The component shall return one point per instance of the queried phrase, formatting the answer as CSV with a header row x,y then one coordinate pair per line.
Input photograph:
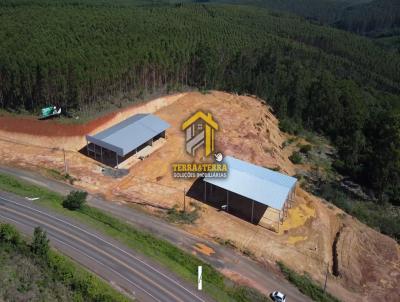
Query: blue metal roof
x,y
256,183
129,134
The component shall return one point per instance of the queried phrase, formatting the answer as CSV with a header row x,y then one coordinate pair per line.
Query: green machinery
x,y
49,112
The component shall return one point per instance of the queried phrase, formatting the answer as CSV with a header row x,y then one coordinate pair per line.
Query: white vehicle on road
x,y
278,297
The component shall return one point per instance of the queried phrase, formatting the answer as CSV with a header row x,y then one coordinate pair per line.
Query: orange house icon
x,y
200,128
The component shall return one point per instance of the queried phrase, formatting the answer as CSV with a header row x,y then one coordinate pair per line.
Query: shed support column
x,y
87,147
227,201
283,211
116,156
287,208
279,220
101,154
252,210
205,191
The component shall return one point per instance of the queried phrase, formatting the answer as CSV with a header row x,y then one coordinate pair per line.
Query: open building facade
x,y
125,139
254,193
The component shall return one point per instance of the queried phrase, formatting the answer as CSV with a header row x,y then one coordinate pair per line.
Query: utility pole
x,y
65,163
326,276
184,200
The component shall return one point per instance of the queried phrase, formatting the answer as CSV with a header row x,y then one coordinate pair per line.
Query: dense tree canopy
x,y
367,17
373,18
77,53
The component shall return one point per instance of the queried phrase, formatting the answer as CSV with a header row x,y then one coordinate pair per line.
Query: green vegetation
x,y
53,173
11,184
180,216
79,54
306,285
305,149
389,41
324,181
40,244
180,262
289,126
226,242
35,273
385,218
373,18
296,158
9,234
75,200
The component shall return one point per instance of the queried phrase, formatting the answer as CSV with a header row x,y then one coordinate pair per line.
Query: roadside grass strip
x,y
306,285
27,276
171,257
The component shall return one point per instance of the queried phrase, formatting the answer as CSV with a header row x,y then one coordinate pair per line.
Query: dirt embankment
x,y
363,263
52,134
369,261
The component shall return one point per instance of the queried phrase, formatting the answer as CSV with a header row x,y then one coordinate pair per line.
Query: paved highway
x,y
110,260
224,258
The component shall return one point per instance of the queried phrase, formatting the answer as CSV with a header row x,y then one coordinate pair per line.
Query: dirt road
x,y
122,267
224,259
368,260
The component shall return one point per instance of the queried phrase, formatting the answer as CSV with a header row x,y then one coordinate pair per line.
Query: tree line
x,y
371,18
76,54
45,274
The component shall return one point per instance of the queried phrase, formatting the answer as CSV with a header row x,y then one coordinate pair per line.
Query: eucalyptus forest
x,y
76,53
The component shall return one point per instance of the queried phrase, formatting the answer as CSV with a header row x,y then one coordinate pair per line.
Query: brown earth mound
x,y
53,134
33,126
366,262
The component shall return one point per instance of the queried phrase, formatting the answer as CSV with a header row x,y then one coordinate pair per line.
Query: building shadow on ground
x,y
216,197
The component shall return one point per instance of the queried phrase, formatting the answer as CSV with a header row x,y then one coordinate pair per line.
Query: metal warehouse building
x,y
117,143
249,191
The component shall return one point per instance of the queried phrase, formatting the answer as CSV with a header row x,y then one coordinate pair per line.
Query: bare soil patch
x,y
368,261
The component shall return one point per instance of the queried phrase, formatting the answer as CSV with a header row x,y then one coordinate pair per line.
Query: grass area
x,y
176,260
97,109
391,42
21,279
306,285
53,173
385,218
296,158
323,181
176,215
25,276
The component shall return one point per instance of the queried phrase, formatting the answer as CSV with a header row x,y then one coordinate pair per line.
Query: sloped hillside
x,y
363,264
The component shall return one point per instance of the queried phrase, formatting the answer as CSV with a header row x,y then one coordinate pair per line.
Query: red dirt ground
x,y
51,128
34,126
368,261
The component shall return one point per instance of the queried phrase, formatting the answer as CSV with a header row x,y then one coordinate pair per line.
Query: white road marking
x,y
95,260
200,277
114,246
